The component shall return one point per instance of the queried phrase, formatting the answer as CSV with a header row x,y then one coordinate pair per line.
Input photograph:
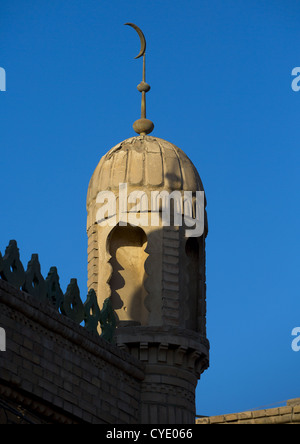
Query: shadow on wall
x,y
127,248
137,290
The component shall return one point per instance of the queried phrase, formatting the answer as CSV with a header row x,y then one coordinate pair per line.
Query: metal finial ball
x,y
143,87
143,126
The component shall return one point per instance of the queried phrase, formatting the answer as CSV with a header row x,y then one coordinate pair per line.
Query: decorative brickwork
x,y
56,371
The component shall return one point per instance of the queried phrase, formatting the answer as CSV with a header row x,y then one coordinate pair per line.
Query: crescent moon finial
x,y
142,126
142,38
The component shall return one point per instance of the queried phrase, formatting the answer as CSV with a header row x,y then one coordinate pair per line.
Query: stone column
x,y
174,360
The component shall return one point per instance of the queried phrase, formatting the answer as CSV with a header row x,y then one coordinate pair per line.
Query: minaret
x,y
144,261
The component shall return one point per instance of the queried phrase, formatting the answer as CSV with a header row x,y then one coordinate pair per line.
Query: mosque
x,y
134,351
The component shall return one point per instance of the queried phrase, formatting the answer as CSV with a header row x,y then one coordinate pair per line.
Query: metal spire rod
x,y
142,126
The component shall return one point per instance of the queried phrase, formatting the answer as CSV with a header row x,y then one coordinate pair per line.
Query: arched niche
x,y
126,245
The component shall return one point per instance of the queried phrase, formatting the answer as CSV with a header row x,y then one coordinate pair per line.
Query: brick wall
x,y
289,414
57,371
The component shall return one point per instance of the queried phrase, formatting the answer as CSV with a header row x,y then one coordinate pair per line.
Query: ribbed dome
x,y
144,162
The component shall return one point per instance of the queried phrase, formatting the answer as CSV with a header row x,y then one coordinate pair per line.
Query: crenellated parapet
x,y
48,290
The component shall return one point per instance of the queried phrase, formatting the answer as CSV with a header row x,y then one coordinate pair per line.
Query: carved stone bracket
x,y
162,352
179,355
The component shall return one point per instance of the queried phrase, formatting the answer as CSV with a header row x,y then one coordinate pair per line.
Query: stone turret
x,y
142,200
154,275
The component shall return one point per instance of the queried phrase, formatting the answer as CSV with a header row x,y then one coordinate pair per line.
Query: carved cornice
x,y
169,346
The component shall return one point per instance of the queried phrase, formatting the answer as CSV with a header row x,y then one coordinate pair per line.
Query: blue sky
x,y
220,76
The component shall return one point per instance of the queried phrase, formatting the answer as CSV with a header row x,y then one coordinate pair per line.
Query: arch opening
x,y
127,249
